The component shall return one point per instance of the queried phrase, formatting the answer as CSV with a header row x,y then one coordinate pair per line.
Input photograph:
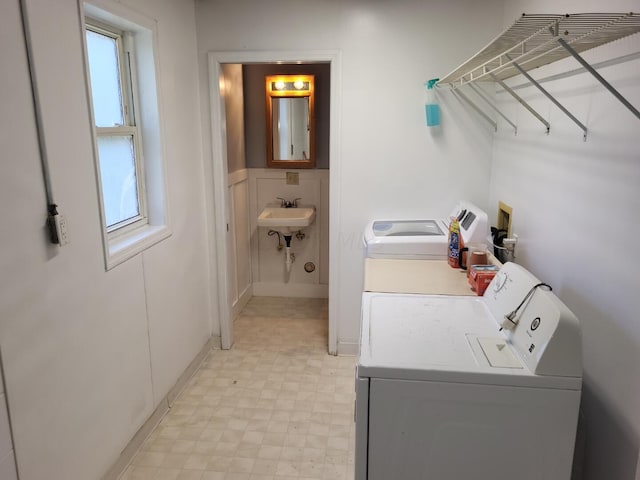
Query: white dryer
x,y
425,239
442,393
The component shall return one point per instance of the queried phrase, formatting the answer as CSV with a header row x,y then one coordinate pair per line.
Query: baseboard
x,y
213,342
237,307
118,468
305,290
348,348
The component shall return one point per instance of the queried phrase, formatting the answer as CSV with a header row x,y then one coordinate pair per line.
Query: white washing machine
x,y
443,394
423,239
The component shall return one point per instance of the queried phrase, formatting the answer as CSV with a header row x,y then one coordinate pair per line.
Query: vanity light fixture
x,y
290,85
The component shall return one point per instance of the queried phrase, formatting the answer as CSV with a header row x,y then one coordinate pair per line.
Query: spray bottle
x,y
432,109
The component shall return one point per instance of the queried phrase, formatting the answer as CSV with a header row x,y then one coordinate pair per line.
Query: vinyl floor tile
x,y
275,406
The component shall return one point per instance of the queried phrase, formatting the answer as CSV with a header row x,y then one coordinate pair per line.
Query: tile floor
x,y
275,406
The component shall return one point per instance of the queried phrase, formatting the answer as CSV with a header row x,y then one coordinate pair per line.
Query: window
x,y
128,141
119,150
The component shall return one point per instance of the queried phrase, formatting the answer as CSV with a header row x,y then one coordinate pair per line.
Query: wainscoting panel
x,y
239,241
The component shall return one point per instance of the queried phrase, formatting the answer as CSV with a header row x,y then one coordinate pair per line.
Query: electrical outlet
x,y
63,232
58,232
293,178
505,214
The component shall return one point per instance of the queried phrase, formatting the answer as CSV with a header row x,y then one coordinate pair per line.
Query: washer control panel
x,y
546,334
500,280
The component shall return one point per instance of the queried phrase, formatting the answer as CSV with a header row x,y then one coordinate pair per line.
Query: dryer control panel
x,y
473,222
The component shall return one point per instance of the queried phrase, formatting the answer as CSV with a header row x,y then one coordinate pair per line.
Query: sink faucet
x,y
288,203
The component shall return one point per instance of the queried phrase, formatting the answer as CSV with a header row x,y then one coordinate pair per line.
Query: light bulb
x,y
279,85
299,84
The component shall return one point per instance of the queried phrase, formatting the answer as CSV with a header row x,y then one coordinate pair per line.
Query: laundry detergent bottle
x,y
432,109
455,244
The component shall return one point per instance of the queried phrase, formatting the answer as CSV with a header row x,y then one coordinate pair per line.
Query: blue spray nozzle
x,y
432,83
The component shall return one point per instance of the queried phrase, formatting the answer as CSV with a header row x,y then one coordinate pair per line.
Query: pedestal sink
x,y
286,220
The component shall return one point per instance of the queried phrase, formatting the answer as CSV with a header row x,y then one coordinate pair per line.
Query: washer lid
x,y
441,338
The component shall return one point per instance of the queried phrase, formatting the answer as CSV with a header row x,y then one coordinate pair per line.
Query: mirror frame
x,y
271,93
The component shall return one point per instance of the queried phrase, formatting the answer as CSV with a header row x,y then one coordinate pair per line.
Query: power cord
x,y
509,322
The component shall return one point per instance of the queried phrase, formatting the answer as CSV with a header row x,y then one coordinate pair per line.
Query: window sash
x,y
124,76
127,100
141,218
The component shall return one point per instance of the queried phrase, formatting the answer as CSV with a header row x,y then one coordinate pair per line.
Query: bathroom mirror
x,y
290,121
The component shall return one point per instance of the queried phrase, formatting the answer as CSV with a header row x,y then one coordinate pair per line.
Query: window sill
x,y
126,246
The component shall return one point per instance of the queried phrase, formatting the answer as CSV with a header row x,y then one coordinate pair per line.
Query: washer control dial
x,y
500,281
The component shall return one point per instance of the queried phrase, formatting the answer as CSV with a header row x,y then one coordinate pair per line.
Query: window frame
x,y
140,38
128,101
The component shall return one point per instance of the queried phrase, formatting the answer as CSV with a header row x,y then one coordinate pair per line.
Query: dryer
x,y
442,393
424,238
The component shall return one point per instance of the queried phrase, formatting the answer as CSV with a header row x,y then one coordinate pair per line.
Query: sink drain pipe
x,y
287,250
289,257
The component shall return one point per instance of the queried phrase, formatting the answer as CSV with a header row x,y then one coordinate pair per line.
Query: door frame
x,y
218,174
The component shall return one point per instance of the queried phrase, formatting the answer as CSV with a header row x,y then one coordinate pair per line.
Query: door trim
x,y
217,200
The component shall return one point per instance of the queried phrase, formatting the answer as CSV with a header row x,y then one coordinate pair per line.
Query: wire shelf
x,y
533,41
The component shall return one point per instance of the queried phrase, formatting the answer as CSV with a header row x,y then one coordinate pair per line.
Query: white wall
x,y
391,164
575,208
7,457
88,354
234,109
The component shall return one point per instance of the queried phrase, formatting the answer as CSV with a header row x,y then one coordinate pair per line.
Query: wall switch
x,y
293,178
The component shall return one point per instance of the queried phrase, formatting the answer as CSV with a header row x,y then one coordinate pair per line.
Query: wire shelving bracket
x,y
537,40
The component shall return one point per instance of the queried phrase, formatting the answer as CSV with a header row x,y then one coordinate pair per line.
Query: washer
x,y
423,239
442,393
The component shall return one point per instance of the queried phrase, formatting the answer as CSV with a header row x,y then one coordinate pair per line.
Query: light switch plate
x,y
293,178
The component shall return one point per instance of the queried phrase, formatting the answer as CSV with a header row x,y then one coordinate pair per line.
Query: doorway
x,y
219,199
